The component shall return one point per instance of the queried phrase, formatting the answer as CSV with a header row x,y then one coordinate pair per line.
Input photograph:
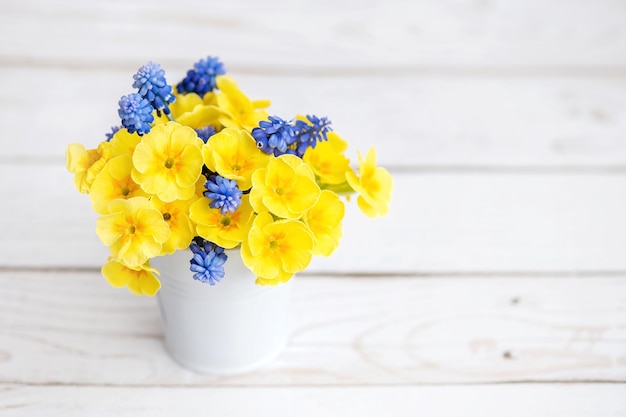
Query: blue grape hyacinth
x,y
309,134
207,262
223,193
114,130
202,78
136,113
205,133
277,136
151,85
274,136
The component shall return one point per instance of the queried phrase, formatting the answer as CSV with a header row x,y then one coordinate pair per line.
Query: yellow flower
x,y
168,162
191,110
210,99
200,187
86,164
226,230
286,187
275,250
328,161
140,280
184,103
176,215
123,142
233,154
324,221
134,230
238,110
374,186
113,182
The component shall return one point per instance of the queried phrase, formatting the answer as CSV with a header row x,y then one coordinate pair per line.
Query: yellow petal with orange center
x,y
168,162
276,249
226,230
233,154
176,215
293,242
113,182
286,188
134,230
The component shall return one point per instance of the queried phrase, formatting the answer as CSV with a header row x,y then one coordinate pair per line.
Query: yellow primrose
x,y
210,99
123,142
184,103
139,280
238,110
373,185
281,278
286,187
176,215
226,230
134,230
275,250
328,161
200,187
86,164
191,110
113,182
233,154
324,221
168,162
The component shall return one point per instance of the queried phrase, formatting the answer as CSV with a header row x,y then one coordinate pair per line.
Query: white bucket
x,y
232,327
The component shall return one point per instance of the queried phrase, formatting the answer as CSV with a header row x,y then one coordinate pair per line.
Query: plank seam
x,y
375,275
514,71
479,169
222,385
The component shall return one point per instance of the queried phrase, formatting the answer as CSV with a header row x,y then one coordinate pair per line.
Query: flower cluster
x,y
277,136
205,168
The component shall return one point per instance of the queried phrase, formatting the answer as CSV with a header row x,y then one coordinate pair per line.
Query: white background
x,y
495,286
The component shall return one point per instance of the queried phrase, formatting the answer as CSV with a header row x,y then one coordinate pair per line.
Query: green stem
x,y
343,188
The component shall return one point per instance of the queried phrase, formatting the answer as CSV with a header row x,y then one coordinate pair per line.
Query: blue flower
x,y
207,262
310,134
136,113
151,85
201,79
205,133
274,136
223,193
114,130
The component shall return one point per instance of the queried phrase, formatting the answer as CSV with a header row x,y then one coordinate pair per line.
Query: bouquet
x,y
202,167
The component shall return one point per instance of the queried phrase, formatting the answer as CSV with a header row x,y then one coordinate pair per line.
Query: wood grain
x,y
71,328
288,36
438,222
496,286
413,121
485,401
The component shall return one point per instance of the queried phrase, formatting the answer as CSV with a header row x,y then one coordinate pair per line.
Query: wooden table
x,y
495,287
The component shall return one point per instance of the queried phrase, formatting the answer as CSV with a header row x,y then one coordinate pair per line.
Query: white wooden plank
x,y
413,121
304,35
72,328
437,222
485,401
